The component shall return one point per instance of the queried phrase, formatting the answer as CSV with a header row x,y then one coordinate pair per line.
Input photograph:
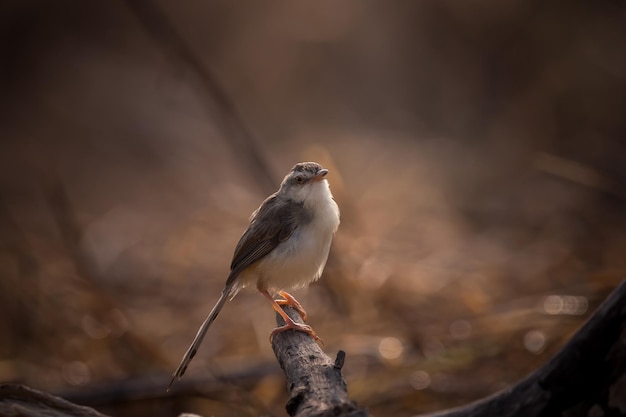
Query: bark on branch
x,y
314,380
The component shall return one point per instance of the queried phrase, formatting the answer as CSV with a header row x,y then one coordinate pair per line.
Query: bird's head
x,y
305,181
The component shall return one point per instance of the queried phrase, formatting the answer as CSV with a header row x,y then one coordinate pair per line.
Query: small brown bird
x,y
285,246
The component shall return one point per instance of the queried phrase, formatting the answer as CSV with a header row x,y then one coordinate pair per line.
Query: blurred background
x,y
476,151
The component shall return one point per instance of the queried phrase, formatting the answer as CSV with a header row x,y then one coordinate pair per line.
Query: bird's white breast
x,y
301,258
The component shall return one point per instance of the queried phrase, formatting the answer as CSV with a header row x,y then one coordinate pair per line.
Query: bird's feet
x,y
289,323
289,300
292,325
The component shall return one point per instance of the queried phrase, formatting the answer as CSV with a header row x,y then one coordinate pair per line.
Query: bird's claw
x,y
289,300
304,328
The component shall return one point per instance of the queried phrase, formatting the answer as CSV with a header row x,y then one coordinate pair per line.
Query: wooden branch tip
x,y
314,380
340,359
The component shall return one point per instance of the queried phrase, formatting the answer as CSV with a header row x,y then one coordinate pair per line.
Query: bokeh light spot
x,y
553,304
390,348
432,346
565,304
373,273
93,328
420,380
76,373
534,341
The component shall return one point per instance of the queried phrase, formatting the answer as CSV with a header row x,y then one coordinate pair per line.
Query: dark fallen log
x,y
20,401
585,378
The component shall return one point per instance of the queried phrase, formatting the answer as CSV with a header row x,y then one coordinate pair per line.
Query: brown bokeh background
x,y
476,151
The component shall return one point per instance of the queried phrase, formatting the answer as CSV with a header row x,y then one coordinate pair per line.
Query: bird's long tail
x,y
191,352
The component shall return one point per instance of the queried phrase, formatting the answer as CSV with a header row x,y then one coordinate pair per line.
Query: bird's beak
x,y
320,175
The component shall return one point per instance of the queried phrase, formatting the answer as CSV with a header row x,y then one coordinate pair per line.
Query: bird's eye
x,y
299,179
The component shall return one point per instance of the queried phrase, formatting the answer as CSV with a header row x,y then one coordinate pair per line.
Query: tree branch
x,y
314,380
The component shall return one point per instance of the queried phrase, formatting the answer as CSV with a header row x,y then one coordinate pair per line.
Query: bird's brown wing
x,y
271,224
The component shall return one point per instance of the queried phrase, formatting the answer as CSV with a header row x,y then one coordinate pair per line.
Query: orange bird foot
x,y
292,325
289,323
289,300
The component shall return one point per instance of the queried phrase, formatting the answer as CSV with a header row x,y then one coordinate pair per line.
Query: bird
x,y
285,246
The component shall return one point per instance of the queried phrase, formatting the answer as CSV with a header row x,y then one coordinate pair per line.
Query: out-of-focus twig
x,y
152,388
578,173
221,109
21,401
17,293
